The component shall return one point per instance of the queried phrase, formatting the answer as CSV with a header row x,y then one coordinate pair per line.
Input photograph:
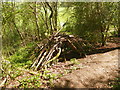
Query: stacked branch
x,y
56,46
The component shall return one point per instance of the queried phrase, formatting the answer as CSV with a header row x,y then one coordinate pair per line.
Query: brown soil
x,y
95,71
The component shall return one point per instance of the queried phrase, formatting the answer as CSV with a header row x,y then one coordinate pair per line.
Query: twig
x,y
41,60
51,52
54,58
3,82
38,58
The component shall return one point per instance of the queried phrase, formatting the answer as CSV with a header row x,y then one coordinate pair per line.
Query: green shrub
x,y
30,82
21,57
116,83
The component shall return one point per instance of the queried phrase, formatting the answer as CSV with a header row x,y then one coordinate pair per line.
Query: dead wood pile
x,y
49,50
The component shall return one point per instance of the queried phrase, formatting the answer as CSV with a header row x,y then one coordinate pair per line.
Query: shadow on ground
x,y
95,51
103,50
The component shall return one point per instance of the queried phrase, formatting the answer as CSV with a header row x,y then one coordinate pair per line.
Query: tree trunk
x,y
118,19
36,20
21,37
50,18
102,36
16,28
55,16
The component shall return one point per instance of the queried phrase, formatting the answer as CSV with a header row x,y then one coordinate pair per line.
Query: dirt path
x,y
95,71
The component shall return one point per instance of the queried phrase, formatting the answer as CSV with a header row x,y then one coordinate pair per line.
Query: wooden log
x,y
42,58
54,58
73,46
3,82
51,52
35,62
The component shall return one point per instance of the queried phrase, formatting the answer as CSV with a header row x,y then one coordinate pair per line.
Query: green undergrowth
x,y
39,80
74,61
9,71
30,82
116,83
21,60
19,66
21,57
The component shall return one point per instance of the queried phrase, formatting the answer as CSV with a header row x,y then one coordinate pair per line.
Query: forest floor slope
x,y
95,71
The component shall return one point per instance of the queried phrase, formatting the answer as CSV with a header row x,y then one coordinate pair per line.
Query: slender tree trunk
x,y
50,18
118,19
16,28
102,36
36,20
106,33
21,37
55,16
103,39
46,17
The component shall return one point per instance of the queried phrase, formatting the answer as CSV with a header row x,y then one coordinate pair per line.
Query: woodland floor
x,y
97,70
